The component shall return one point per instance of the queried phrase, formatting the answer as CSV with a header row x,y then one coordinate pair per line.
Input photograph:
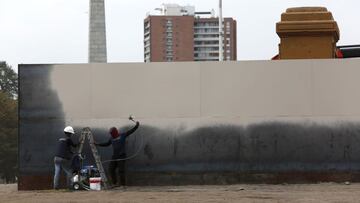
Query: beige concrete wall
x,y
260,89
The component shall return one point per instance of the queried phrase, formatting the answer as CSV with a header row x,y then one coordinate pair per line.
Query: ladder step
x,y
86,133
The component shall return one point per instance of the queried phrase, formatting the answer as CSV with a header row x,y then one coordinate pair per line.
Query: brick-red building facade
x,y
187,38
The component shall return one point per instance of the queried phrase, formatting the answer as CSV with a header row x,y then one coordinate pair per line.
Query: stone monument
x,y
307,32
97,32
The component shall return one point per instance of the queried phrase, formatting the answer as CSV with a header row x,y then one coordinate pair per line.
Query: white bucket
x,y
95,183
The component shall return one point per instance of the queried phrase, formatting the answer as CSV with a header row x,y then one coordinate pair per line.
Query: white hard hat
x,y
69,129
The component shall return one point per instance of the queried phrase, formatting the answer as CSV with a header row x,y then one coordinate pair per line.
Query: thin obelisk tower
x,y
97,32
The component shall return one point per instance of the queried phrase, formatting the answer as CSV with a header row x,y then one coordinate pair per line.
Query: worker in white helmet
x,y
63,156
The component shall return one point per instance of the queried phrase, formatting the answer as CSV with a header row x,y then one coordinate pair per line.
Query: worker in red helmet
x,y
118,142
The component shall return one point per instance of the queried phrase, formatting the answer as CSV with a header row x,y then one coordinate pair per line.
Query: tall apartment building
x,y
181,34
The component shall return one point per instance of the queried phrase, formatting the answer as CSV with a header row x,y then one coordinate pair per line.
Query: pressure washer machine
x,y
84,177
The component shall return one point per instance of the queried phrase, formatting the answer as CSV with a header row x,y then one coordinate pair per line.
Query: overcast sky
x,y
56,31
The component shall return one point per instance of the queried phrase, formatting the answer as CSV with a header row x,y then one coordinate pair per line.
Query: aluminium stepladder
x,y
86,133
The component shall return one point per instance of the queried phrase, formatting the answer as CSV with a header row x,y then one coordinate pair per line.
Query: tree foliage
x,y
8,125
8,80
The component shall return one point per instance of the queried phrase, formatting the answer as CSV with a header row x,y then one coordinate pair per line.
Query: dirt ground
x,y
325,192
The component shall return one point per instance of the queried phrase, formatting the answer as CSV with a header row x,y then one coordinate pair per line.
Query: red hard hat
x,y
114,132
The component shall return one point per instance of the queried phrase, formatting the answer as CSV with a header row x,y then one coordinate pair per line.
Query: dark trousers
x,y
120,166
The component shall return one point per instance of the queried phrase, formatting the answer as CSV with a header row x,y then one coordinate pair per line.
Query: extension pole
x,y
221,33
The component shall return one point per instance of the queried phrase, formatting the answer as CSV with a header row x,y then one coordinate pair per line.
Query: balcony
x,y
207,51
206,45
206,33
147,25
206,58
147,38
206,39
146,45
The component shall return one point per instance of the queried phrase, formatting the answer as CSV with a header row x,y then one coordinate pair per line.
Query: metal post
x,y
221,33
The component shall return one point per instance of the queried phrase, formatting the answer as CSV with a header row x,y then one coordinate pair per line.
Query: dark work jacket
x,y
119,143
64,148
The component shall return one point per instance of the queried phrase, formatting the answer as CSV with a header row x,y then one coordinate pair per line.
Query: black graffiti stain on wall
x,y
41,119
267,146
263,147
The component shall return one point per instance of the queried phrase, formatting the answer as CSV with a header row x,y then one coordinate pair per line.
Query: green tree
x,y
8,80
8,123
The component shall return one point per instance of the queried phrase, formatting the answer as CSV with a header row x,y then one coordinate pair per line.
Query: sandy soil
x,y
329,192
